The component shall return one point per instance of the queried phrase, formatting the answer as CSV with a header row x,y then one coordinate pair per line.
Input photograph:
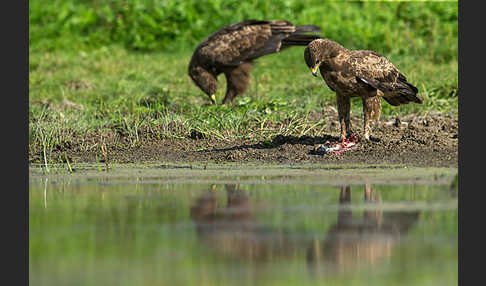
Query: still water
x,y
135,233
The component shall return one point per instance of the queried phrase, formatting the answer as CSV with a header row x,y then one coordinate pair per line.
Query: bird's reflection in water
x,y
354,240
359,240
232,229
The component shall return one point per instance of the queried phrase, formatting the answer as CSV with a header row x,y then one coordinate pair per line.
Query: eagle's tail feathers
x,y
299,40
410,93
307,29
404,94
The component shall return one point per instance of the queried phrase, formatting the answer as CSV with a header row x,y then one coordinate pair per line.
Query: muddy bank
x,y
430,140
248,173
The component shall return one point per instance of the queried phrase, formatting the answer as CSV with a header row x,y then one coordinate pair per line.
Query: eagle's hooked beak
x,y
315,69
213,99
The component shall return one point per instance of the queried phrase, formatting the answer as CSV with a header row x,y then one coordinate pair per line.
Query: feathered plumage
x,y
232,49
365,74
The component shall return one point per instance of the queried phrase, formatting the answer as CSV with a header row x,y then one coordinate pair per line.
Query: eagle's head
x,y
205,80
319,51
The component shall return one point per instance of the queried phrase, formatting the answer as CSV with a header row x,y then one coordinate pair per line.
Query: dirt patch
x,y
430,140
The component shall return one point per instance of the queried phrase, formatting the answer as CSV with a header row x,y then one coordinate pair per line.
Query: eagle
x,y
232,50
358,73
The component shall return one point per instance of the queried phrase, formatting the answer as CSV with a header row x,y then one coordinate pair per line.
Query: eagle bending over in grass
x,y
232,49
364,74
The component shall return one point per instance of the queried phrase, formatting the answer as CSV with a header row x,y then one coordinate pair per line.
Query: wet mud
x,y
422,141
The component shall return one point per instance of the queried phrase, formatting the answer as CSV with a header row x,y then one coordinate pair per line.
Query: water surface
x,y
114,232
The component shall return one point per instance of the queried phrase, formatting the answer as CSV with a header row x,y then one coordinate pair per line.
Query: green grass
x,y
399,27
129,92
87,82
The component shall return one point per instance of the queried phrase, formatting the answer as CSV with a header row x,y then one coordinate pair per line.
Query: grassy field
x,y
79,87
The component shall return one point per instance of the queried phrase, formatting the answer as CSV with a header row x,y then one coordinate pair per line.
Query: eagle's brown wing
x,y
378,72
246,41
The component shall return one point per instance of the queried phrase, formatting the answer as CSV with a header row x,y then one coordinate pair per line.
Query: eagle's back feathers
x,y
378,72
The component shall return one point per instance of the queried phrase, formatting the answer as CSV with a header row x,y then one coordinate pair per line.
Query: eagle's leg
x,y
368,192
237,81
230,94
344,214
371,112
344,109
373,217
345,194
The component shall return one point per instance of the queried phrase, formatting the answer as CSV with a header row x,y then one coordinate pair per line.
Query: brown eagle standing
x,y
232,49
364,74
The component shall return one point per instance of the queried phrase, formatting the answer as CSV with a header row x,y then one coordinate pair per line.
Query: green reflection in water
x,y
256,234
